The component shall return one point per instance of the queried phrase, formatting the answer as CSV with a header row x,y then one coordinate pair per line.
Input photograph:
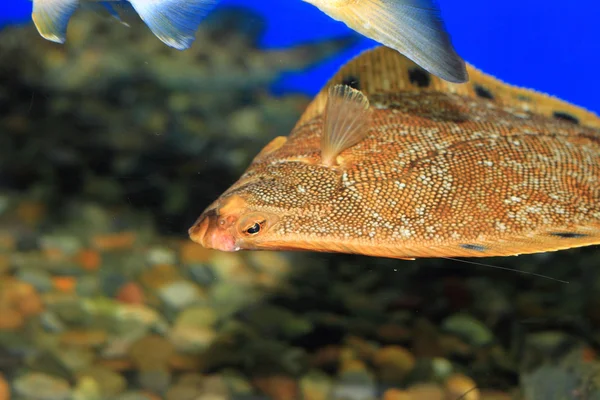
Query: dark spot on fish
x,y
475,247
483,92
524,98
351,81
568,235
419,77
566,117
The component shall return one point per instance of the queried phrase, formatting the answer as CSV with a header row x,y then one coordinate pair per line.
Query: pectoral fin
x,y
174,22
51,18
412,27
346,121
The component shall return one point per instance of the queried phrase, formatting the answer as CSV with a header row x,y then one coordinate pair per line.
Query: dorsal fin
x,y
383,70
346,121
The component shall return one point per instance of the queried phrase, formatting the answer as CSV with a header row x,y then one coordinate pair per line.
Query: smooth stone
x,y
4,388
87,389
75,358
316,386
155,381
109,383
180,294
192,340
461,386
394,364
468,328
51,323
38,278
38,386
151,352
161,255
203,274
196,317
353,391
69,245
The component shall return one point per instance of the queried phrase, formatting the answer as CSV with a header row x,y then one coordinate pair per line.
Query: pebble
x,y
41,280
154,380
316,386
353,391
151,353
396,394
160,275
84,338
4,388
278,387
461,386
468,328
68,245
109,382
426,391
271,262
87,389
114,241
196,317
192,340
394,363
130,293
38,386
10,319
180,294
162,255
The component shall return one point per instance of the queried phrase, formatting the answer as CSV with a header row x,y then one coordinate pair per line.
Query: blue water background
x,y
548,45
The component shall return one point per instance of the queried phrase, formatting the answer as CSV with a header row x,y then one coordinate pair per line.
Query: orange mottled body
x,y
481,169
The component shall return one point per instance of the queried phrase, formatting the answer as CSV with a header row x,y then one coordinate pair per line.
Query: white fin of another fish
x,y
346,122
174,22
51,18
411,27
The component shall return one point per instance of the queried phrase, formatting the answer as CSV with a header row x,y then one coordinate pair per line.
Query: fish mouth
x,y
207,232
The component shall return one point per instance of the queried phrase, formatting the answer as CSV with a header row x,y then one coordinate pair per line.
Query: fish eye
x,y
254,228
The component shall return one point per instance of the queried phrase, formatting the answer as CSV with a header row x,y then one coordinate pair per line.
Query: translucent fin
x,y
51,18
174,22
412,27
346,121
114,13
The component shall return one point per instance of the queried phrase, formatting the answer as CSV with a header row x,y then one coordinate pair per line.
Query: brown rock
x,y
130,293
83,338
4,388
160,275
31,212
394,363
426,391
278,387
151,353
10,319
396,394
461,386
495,395
184,362
114,241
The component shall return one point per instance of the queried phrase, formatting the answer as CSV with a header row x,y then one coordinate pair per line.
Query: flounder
x,y
391,161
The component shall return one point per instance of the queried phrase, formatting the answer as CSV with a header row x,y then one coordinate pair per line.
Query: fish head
x,y
231,224
272,206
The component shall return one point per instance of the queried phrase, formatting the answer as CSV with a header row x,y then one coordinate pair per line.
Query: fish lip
x,y
207,232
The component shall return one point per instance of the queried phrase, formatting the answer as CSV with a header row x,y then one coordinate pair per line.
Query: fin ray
x,y
174,22
346,121
51,18
412,27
